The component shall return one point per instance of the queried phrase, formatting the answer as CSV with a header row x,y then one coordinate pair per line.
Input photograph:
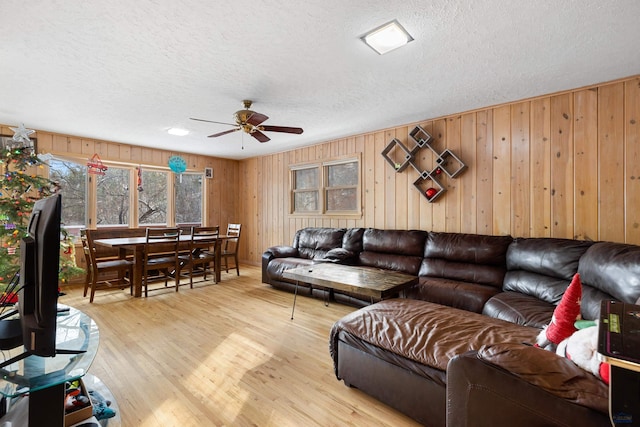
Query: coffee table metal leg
x,y
295,295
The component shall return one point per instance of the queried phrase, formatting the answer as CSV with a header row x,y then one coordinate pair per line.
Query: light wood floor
x,y
224,355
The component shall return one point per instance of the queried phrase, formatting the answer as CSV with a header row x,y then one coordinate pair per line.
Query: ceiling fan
x,y
251,123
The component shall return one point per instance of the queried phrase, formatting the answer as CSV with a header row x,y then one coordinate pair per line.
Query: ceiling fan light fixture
x,y
250,123
178,132
387,37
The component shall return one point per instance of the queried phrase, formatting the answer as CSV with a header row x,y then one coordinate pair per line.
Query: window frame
x,y
202,206
129,195
73,229
317,190
136,197
91,201
323,187
327,188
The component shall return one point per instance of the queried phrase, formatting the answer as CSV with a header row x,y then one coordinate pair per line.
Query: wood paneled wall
x,y
563,165
221,192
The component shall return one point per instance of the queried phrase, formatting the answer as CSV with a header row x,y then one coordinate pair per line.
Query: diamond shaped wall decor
x,y
428,182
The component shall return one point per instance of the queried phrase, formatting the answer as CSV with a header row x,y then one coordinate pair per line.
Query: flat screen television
x,y
38,294
40,259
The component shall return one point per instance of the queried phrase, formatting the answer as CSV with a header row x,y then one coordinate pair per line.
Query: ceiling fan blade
x,y
260,136
211,121
256,118
285,129
215,135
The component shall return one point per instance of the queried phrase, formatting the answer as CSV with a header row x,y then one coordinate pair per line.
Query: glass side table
x,y
44,378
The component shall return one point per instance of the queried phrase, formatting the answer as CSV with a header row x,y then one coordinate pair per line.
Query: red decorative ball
x,y
438,171
430,192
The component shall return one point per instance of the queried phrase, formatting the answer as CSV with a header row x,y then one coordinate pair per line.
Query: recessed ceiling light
x,y
387,37
178,131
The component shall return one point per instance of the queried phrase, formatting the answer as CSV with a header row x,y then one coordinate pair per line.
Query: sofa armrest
x,y
275,252
512,384
282,251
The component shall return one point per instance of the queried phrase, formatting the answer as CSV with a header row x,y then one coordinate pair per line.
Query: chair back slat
x,y
162,256
102,272
201,255
231,245
233,231
162,240
204,237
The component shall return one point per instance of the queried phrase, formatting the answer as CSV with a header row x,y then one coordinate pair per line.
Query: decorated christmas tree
x,y
21,184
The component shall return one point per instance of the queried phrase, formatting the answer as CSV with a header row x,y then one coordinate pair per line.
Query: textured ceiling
x,y
126,71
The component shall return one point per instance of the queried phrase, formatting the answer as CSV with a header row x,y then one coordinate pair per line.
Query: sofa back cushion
x,y
470,258
352,240
609,271
543,267
399,250
314,243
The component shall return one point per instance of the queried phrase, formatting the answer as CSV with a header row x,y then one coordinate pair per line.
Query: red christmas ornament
x,y
430,192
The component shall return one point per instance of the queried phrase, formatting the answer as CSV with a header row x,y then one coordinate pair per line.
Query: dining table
x,y
138,244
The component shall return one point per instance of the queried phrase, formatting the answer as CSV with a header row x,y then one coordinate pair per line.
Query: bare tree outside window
x,y
306,189
188,199
152,198
342,187
113,197
72,178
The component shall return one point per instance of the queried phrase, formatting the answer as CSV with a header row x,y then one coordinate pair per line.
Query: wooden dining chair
x,y
161,257
104,273
201,256
230,247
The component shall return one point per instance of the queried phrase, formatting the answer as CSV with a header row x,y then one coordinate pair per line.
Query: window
x,y
188,199
72,178
305,189
331,188
121,198
341,189
112,190
152,198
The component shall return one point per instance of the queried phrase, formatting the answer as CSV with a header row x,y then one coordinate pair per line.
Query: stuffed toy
x,y
582,348
570,337
564,317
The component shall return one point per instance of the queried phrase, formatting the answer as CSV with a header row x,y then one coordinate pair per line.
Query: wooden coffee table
x,y
368,281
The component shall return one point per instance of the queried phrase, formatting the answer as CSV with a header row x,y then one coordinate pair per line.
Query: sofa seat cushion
x,y
430,334
434,374
519,308
454,293
277,267
351,298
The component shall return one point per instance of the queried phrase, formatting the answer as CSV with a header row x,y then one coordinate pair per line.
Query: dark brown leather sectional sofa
x,y
456,349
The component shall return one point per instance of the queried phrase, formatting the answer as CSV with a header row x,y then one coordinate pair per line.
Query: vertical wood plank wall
x,y
565,165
